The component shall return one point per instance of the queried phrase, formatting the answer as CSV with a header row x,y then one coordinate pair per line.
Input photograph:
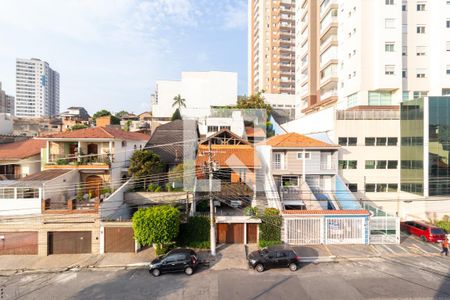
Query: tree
x,y
156,225
121,113
103,113
176,115
78,127
144,164
255,101
179,102
127,125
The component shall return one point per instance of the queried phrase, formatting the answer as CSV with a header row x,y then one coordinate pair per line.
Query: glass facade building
x,y
425,146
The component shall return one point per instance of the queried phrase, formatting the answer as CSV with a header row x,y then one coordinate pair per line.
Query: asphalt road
x,y
418,277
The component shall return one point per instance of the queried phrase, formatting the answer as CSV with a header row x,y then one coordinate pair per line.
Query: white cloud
x,y
235,16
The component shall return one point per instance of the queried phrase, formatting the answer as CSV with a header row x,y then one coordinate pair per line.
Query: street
x,y
400,277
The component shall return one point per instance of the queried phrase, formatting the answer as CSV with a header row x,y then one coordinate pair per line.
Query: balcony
x,y
326,6
71,206
328,94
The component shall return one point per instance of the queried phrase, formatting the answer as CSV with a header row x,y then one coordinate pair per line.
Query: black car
x,y
267,258
176,260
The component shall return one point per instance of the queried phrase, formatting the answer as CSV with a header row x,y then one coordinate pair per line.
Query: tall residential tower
x,y
381,52
271,46
6,102
37,89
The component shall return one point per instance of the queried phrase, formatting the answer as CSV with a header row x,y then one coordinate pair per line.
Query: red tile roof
x,y
295,140
326,212
230,156
21,150
255,132
99,133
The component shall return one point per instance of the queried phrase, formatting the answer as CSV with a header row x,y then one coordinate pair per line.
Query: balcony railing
x,y
368,115
88,159
71,206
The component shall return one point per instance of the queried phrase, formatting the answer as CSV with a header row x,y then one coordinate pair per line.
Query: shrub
x,y
62,161
251,211
270,228
164,248
444,225
195,233
156,225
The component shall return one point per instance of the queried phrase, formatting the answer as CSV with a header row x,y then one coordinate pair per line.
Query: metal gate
x,y
345,231
119,239
303,231
384,230
69,242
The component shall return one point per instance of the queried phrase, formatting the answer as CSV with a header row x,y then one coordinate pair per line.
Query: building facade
x,y
201,90
353,52
6,102
271,46
37,89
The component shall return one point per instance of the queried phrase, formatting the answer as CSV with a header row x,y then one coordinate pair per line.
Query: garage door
x,y
69,242
230,233
252,232
19,243
119,239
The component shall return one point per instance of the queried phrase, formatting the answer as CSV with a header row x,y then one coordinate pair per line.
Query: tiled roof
x,y
230,156
255,132
100,133
45,175
21,150
295,140
326,212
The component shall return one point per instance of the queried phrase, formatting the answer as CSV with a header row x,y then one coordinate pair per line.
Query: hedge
x,y
270,228
195,233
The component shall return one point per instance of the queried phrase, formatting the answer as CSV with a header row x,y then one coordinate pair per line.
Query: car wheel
x,y
259,268
293,267
189,271
423,238
156,272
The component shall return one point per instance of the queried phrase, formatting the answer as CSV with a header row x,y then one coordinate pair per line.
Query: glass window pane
x,y
392,141
370,141
352,164
381,141
381,187
370,187
381,164
342,141
352,141
392,164
370,164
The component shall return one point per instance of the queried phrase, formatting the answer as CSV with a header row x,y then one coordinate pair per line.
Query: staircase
x,y
343,195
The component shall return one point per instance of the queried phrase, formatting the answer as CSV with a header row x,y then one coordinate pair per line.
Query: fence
x,y
325,229
383,228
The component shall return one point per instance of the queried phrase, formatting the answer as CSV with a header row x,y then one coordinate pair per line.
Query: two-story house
x,y
305,172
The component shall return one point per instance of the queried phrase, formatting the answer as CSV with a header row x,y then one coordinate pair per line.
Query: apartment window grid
x,y
348,164
347,141
420,7
381,164
389,69
381,187
389,47
389,2
419,94
420,29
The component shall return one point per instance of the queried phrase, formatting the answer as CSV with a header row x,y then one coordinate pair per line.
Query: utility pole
x,y
211,202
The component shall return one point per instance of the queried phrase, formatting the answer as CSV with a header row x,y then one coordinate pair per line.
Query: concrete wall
x,y
6,123
62,187
114,207
19,206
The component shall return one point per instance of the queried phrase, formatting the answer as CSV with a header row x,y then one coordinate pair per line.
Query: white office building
x,y
354,52
37,89
201,90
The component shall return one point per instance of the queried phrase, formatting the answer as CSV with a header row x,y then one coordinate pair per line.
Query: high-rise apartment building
x,y
6,102
271,46
37,89
354,52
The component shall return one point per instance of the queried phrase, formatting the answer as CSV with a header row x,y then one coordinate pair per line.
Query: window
x,y
353,187
278,161
213,128
342,164
419,94
392,141
381,187
124,144
448,23
381,141
379,98
403,73
300,155
289,180
389,23
392,164
352,141
392,187
448,70
381,164
389,2
420,29
352,100
370,187
421,73
389,69
403,7
352,164
421,50
404,50
342,141
370,164
445,92
370,141
389,47
420,7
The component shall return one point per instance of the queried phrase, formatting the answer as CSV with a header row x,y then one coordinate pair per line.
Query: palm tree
x,y
178,101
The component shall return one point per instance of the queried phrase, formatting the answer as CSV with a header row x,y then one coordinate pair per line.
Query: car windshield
x,y
263,251
437,231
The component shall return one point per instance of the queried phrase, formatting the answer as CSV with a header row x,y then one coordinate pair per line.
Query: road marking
x,y
375,249
403,249
388,249
435,247
420,249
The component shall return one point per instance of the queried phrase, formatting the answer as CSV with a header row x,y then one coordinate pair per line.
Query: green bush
x,y
156,225
195,233
62,162
164,248
270,228
444,225
251,211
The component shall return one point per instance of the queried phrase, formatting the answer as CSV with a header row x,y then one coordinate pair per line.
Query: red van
x,y
425,231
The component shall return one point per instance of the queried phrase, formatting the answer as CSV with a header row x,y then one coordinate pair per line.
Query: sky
x,y
109,53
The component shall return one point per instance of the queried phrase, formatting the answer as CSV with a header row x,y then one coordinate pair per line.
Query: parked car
x,y
268,258
425,231
176,260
